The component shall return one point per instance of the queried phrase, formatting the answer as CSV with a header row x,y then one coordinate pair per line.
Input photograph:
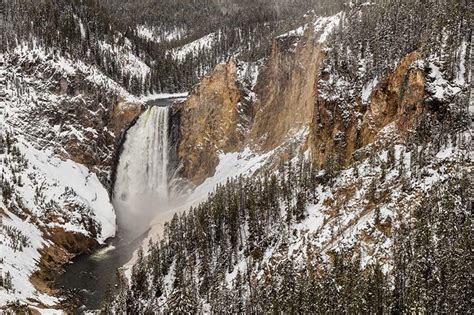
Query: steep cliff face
x,y
212,120
288,102
340,127
86,122
286,90
398,98
237,106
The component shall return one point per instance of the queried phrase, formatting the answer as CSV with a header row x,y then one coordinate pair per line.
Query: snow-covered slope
x,y
52,205
199,46
44,193
155,35
128,62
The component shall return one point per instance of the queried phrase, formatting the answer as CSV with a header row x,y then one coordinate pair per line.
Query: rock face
x,y
219,116
64,122
337,133
399,98
123,113
101,119
76,118
65,246
210,122
286,90
288,102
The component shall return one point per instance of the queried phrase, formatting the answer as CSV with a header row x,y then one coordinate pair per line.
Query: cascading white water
x,y
141,186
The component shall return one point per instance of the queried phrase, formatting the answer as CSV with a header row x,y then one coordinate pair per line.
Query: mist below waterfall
x,y
141,187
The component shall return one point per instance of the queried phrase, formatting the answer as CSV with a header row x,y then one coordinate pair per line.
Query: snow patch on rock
x,y
367,90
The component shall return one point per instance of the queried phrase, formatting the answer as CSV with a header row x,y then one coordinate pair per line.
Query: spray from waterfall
x,y
141,187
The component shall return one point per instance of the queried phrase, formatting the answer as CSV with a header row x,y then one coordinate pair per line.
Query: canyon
x,y
97,179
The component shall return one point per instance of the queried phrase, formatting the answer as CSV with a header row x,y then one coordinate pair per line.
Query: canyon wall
x,y
61,129
340,127
288,101
211,120
287,90
220,117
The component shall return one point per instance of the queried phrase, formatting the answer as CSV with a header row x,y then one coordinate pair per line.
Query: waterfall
x,y
141,186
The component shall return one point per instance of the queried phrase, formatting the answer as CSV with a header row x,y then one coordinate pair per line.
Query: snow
x,y
21,264
445,153
146,32
296,32
326,25
194,47
129,62
156,35
367,90
315,218
231,165
230,276
46,311
247,75
248,72
439,86
38,54
81,26
160,96
460,76
56,175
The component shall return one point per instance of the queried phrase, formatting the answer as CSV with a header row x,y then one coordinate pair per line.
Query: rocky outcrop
x,y
286,90
123,113
338,130
64,246
288,102
210,121
399,98
87,123
101,119
220,117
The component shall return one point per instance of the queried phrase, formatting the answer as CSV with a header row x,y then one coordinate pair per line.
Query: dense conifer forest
x,y
93,31
431,269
